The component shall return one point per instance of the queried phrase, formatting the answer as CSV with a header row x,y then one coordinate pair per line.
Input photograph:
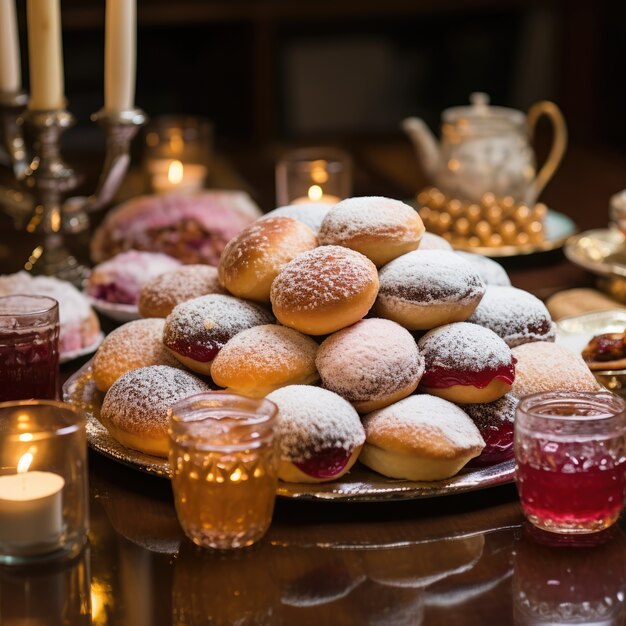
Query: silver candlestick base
x,y
44,180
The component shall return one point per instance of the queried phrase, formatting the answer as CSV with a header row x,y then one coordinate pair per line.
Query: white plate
x,y
577,331
117,312
70,356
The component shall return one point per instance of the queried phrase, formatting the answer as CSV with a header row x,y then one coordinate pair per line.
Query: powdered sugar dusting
x,y
214,315
493,413
138,402
135,344
424,423
490,271
311,213
430,276
321,278
311,419
371,216
265,349
515,315
265,246
163,293
543,366
464,346
129,271
430,241
73,306
369,360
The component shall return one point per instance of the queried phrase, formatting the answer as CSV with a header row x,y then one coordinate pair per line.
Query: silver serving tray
x,y
360,485
601,251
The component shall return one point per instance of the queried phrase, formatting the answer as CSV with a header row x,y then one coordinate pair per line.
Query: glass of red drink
x,y
570,457
29,348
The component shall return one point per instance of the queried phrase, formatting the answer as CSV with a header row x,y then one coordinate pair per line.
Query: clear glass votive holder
x,y
50,594
29,348
178,153
43,481
224,462
570,457
320,175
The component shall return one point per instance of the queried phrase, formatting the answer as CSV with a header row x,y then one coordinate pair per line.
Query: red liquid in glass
x,y
590,496
29,366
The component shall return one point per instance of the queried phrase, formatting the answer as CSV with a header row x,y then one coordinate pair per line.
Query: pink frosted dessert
x,y
192,228
120,279
79,325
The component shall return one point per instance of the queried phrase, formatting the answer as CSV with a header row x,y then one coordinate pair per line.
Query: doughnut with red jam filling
x,y
320,434
466,364
495,422
196,330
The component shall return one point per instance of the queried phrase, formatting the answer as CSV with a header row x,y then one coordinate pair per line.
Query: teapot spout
x,y
425,145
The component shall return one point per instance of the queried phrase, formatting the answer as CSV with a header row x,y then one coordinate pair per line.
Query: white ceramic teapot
x,y
486,149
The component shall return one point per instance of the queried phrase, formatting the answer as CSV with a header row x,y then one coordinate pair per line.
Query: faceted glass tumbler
x,y
224,462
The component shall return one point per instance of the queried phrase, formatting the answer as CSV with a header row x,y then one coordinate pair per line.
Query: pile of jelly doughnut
x,y
377,342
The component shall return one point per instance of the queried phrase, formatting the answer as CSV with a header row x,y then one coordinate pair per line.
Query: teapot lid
x,y
480,111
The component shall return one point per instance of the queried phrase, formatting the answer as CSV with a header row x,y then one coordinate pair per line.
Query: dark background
x,y
267,70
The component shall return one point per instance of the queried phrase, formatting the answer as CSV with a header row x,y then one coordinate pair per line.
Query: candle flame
x,y
175,172
24,463
315,193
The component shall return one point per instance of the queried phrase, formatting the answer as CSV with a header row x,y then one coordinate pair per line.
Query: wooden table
x,y
462,560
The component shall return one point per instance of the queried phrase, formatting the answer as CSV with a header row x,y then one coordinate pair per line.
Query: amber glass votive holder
x,y
570,457
224,462
43,481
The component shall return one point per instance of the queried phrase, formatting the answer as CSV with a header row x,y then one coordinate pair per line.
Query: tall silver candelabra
x,y
43,180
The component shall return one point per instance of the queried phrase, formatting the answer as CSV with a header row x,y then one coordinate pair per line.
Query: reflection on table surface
x,y
467,560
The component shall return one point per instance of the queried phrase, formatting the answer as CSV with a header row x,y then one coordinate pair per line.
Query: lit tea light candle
x,y
174,175
31,508
316,194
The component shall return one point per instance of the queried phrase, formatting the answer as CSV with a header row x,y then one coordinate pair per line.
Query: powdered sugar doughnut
x,y
420,438
320,434
161,294
425,289
515,315
324,289
120,279
136,344
310,213
543,366
466,363
490,271
79,325
372,364
196,330
253,258
263,358
495,422
135,408
380,228
430,241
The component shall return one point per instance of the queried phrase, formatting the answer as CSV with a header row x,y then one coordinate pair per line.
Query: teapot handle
x,y
559,143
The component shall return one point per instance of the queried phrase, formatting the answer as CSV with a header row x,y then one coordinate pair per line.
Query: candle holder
x,y
43,179
318,175
43,481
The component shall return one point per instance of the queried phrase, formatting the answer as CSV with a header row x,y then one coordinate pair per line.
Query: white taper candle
x,y
120,52
45,55
10,70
